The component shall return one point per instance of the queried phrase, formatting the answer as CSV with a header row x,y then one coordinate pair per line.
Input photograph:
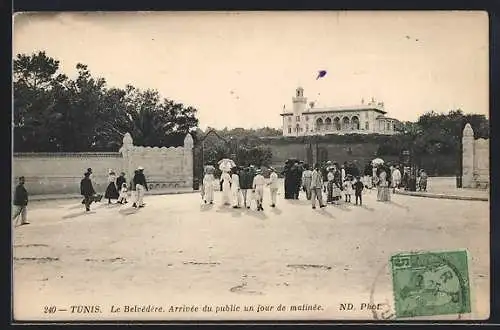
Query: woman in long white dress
x,y
383,194
225,178
235,189
208,187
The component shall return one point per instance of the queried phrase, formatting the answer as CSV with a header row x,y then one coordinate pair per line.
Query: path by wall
x,y
60,173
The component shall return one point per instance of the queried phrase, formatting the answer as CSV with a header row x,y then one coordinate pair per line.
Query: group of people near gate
x,y
335,181
117,188
240,186
346,181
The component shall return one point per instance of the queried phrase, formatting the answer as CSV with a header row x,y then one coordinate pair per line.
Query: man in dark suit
x,y
87,190
20,202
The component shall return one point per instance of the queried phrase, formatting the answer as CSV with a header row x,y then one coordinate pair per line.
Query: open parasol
x,y
377,162
226,164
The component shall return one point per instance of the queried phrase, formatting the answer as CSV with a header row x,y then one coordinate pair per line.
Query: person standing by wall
x,y
396,179
273,186
141,186
20,203
317,187
423,181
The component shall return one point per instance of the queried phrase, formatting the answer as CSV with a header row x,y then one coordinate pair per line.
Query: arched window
x,y
336,123
328,123
319,124
355,122
345,123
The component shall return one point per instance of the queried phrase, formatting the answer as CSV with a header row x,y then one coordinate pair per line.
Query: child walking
x,y
358,190
348,188
123,194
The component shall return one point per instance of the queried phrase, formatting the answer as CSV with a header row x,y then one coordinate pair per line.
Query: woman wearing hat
x,y
87,190
208,185
111,190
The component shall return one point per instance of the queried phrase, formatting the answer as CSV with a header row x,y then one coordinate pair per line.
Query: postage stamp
x,y
430,283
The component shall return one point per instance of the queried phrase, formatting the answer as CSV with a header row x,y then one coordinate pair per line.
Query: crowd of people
x,y
242,185
327,183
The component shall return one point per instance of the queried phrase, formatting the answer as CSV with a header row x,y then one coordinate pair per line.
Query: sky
x,y
240,68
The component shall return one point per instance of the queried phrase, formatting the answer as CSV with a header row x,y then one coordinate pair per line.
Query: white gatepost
x,y
126,151
468,157
188,159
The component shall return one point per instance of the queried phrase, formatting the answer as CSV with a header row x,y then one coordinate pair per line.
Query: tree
x,y
54,113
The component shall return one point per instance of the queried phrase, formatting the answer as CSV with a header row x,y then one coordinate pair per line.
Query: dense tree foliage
x,y
55,113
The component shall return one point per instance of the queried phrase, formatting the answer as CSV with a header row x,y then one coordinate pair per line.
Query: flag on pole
x,y
321,74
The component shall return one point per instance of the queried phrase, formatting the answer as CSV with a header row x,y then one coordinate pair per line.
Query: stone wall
x,y
60,173
475,160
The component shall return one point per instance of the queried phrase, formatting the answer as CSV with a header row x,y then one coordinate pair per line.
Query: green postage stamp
x,y
430,283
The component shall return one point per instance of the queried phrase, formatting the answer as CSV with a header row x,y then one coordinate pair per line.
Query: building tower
x,y
299,106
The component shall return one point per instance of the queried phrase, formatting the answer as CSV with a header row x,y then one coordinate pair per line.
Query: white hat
x,y
140,168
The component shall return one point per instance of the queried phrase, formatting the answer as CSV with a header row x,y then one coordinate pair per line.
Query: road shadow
x,y
324,212
77,214
236,213
256,214
129,211
275,210
398,205
73,207
298,201
206,207
342,206
367,208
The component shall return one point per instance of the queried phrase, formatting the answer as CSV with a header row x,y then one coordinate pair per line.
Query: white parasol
x,y
226,164
377,161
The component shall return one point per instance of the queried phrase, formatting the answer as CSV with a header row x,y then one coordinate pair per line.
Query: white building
x,y
305,119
